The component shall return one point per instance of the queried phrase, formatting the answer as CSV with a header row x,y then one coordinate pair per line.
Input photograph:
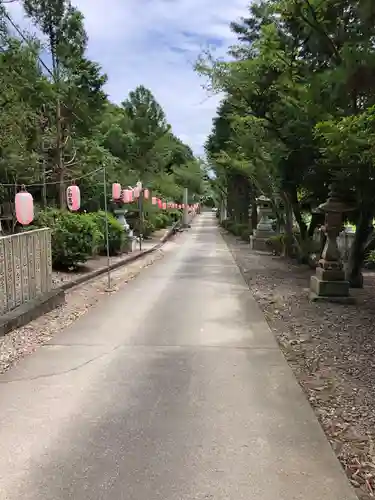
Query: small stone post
x,y
264,228
329,282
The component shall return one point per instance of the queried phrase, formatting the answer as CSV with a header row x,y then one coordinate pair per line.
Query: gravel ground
x,y
331,349
25,340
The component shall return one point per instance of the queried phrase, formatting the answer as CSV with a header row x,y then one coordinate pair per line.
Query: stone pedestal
x,y
329,282
258,241
264,229
120,216
330,285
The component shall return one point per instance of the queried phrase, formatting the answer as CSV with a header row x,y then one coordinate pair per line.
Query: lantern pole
x,y
185,214
140,212
140,201
109,284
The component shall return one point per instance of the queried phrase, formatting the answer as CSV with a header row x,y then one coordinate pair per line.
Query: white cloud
x,y
155,43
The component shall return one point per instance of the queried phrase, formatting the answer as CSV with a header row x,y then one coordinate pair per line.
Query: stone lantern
x,y
329,282
264,228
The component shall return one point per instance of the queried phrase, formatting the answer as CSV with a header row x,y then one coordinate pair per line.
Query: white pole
x,y
186,210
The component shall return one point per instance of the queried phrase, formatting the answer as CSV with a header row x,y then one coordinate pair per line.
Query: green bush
x,y
75,237
240,230
47,218
161,220
370,260
224,223
245,234
116,234
44,218
148,227
276,244
174,216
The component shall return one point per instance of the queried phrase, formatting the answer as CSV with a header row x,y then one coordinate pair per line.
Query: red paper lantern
x,y
136,192
164,205
154,200
73,198
116,191
160,203
24,204
146,194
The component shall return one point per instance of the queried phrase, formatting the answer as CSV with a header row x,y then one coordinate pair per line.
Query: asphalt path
x,y
173,388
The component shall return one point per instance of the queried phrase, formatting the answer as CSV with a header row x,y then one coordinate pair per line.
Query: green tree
x,y
77,81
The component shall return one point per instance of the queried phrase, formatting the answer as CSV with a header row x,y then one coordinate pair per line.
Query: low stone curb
x,y
31,310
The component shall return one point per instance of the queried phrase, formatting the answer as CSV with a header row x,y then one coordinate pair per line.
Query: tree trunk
x,y
223,209
238,198
357,251
254,216
289,238
316,220
230,196
242,200
292,191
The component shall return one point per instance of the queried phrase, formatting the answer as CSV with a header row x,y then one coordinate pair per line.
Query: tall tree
x,y
77,81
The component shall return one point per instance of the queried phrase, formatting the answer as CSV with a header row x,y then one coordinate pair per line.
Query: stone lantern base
x,y
330,285
258,241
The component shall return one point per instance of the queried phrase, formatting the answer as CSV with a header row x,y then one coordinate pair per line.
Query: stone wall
x,y
25,267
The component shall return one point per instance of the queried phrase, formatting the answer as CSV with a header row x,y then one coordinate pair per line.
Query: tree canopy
x,y
59,125
297,111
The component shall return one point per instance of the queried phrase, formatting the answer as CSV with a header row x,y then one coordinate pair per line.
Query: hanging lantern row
x,y
24,203
131,194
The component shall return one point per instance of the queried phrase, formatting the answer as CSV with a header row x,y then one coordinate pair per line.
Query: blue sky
x,y
155,43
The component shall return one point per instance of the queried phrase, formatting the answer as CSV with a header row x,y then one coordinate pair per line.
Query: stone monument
x,y
264,229
120,216
329,282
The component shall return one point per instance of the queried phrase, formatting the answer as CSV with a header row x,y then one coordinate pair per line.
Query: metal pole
x,y
186,210
140,206
109,284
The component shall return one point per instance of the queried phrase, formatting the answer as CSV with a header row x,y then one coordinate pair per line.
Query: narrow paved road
x,y
171,389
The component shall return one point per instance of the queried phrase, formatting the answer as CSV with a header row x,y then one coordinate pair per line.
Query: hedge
x,y
243,231
116,234
77,237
